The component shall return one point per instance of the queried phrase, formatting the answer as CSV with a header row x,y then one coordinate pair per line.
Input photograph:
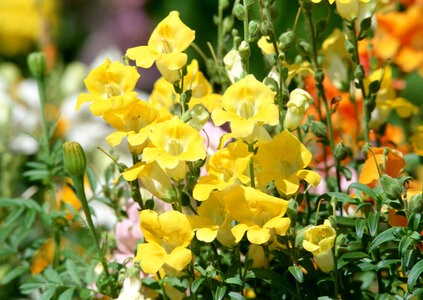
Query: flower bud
x,y
239,12
253,30
74,158
359,72
319,75
297,106
318,129
244,50
286,39
292,209
199,117
391,187
415,203
271,84
341,152
37,64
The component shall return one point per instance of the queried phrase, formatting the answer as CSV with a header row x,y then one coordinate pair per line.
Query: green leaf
x,y
345,221
274,279
363,188
18,271
367,266
414,275
384,237
29,287
13,216
73,271
236,296
66,295
196,284
387,262
408,260
92,179
414,221
297,273
417,292
29,218
234,280
360,225
6,250
52,275
89,275
373,223
151,283
404,243
355,255
220,293
48,293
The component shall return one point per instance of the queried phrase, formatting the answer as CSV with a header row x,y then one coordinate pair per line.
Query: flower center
x,y
112,90
246,108
174,147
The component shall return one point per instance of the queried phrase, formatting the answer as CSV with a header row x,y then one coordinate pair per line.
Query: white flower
x,y
233,65
131,289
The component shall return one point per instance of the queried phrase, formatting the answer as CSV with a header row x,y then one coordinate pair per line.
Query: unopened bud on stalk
x,y
318,129
253,30
391,187
341,152
286,39
299,102
415,203
239,12
244,50
74,158
37,64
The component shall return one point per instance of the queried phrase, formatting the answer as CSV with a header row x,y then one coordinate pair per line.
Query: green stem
x,y
247,60
252,176
321,91
56,233
162,286
135,187
44,125
78,182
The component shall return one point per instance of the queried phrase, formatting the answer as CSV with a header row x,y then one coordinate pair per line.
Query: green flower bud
x,y
359,72
318,129
349,46
223,4
244,50
341,152
74,158
253,30
199,117
186,116
365,149
292,209
266,28
239,12
415,204
391,187
227,25
304,48
286,39
37,64
319,75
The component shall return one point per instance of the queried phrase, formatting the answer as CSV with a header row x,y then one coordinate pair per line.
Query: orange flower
x,y
393,163
400,37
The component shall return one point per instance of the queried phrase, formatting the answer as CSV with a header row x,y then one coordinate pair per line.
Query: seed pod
x,y
74,158
391,187
37,64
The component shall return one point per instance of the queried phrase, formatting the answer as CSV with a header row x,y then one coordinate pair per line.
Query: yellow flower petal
x,y
179,258
257,235
151,257
144,56
281,225
116,137
238,231
311,177
206,234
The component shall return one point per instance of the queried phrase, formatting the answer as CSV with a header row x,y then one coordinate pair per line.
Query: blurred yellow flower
x,y
133,121
172,144
347,9
213,222
283,160
319,240
226,168
258,214
167,42
167,237
265,46
246,104
417,140
299,102
110,86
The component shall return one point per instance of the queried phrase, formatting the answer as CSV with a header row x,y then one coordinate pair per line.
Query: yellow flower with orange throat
x,y
259,214
247,104
283,160
110,86
166,45
319,240
172,144
168,235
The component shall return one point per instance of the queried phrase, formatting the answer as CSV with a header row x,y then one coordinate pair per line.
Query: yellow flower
x,y
167,237
317,1
213,222
265,46
283,160
233,65
172,144
319,240
417,140
299,101
386,99
165,46
163,97
153,178
226,168
349,9
258,214
247,103
110,86
133,121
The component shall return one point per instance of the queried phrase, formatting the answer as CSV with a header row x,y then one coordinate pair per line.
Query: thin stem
x,y
44,125
162,286
252,176
78,182
247,60
135,187
199,51
56,233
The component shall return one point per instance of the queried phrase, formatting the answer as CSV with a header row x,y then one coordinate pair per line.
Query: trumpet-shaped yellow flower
x,y
133,121
226,168
153,178
247,103
110,86
299,101
165,46
319,240
167,237
257,213
347,9
213,222
173,143
283,160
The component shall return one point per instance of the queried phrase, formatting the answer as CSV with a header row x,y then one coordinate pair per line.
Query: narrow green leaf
x,y
220,293
13,216
29,218
373,222
234,280
360,225
404,243
18,271
28,288
66,295
355,255
52,275
383,237
297,273
362,188
387,262
92,179
196,284
236,296
73,271
414,275
48,293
